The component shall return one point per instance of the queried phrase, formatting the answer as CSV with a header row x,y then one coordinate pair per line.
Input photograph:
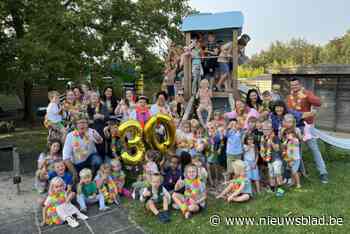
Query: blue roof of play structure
x,y
209,21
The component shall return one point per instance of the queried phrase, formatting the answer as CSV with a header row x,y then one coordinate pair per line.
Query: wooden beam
x,y
235,63
187,70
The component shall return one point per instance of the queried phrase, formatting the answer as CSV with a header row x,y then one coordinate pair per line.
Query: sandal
x,y
187,215
72,222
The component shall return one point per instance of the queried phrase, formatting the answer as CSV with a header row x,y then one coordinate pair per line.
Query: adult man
x,y
302,100
79,149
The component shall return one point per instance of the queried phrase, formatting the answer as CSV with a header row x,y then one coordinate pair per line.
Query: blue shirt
x,y
170,178
67,177
234,142
277,120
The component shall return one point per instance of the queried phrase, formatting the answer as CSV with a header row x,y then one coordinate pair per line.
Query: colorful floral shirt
x,y
51,203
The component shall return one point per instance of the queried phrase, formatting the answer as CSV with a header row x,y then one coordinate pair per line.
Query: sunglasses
x,y
180,94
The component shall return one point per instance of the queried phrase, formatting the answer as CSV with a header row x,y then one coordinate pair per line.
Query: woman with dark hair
x,y
279,110
78,93
45,164
254,101
109,100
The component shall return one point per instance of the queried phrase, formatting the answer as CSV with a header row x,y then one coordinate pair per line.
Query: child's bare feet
x,y
187,215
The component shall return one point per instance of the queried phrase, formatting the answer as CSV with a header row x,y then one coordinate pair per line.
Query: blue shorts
x,y
294,166
224,68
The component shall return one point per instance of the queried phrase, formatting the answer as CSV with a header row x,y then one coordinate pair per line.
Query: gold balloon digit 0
x,y
151,137
132,127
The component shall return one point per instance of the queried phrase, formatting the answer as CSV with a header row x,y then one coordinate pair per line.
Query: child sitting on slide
x,y
204,94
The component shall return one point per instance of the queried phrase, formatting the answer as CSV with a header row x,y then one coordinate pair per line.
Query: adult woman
x,y
242,113
45,164
160,106
131,99
109,100
70,107
98,115
279,110
254,101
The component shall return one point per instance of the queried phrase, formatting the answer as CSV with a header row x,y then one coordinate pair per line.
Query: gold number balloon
x,y
133,127
170,131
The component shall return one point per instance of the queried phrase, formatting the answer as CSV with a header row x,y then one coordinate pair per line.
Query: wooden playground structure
x,y
226,27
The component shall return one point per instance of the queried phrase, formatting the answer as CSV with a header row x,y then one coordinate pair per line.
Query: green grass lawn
x,y
314,199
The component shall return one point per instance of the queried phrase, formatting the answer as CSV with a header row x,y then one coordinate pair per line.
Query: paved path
x,y
111,221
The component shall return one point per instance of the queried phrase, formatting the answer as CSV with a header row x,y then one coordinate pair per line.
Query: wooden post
x,y
187,70
235,63
16,167
336,100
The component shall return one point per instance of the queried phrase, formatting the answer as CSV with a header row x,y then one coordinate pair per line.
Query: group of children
x,y
220,153
210,59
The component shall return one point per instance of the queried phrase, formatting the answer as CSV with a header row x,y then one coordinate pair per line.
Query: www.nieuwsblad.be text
x,y
216,220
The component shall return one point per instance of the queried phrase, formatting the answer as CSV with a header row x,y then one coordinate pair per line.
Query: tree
x,y
42,40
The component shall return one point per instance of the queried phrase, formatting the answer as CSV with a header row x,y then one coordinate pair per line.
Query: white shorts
x,y
275,168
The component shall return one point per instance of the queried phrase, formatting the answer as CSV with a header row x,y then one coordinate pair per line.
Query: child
x,y
54,114
212,50
271,153
118,176
172,173
200,144
234,147
60,171
58,208
292,154
204,94
202,172
106,184
197,69
88,192
218,120
267,101
45,165
111,133
150,167
240,188
157,194
184,138
195,194
250,157
224,64
214,141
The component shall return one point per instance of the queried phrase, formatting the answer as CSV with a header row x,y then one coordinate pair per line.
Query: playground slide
x,y
342,143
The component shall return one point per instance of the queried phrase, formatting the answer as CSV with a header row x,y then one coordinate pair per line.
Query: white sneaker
x,y
82,216
104,208
72,222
